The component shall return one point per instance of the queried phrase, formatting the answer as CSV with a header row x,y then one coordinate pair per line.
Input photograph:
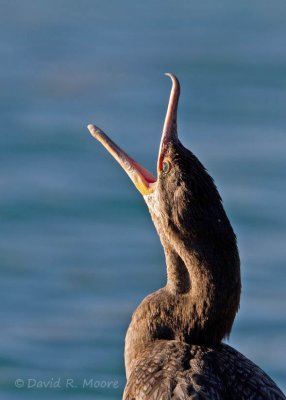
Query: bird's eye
x,y
166,167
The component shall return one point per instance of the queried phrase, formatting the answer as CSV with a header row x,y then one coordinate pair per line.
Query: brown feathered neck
x,y
199,243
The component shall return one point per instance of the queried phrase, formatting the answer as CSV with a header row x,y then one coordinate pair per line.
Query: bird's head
x,y
183,198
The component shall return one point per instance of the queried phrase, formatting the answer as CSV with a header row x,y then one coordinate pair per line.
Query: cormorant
x,y
173,346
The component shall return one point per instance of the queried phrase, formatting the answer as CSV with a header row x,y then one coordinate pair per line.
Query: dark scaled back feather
x,y
177,371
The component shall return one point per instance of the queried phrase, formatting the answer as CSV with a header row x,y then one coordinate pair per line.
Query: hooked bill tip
x,y
170,75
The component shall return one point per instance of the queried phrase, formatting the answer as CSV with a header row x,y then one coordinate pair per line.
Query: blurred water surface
x,y
78,249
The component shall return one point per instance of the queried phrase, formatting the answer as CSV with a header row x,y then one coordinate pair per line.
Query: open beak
x,y
144,181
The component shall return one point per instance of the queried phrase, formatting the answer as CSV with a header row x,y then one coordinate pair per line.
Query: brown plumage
x,y
173,346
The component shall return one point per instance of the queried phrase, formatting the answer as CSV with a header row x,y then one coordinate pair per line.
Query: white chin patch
x,y
152,202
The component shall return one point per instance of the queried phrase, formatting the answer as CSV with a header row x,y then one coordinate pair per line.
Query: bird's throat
x,y
178,277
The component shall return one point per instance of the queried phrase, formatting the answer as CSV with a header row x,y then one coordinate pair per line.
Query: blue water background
x,y
78,250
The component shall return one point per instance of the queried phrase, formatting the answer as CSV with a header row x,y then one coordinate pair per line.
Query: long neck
x,y
205,279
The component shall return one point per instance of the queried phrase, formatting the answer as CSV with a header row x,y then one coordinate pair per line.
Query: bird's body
x,y
172,369
173,346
